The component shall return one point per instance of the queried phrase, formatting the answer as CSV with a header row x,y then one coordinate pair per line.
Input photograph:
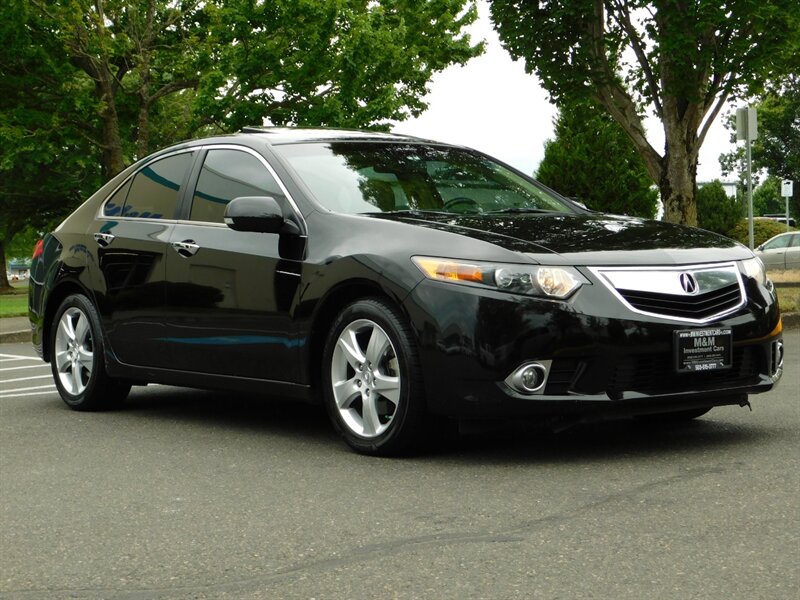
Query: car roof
x,y
293,135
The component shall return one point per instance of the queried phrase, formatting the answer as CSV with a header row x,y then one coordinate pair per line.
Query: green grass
x,y
789,299
14,303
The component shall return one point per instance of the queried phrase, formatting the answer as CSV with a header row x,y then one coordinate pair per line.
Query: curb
x,y
791,320
14,337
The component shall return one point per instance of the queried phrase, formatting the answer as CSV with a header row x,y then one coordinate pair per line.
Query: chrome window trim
x,y
101,211
643,272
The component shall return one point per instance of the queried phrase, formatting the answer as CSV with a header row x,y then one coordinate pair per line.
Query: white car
x,y
781,251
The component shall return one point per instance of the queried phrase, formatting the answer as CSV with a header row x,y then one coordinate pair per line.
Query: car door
x,y
793,253
773,252
130,238
230,292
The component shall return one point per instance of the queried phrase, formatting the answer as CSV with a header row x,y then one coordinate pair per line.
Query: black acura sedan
x,y
397,281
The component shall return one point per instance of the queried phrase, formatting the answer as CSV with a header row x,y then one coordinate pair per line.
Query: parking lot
x,y
188,494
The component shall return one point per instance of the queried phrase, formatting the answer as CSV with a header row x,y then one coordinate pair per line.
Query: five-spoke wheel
x,y
74,351
373,383
76,357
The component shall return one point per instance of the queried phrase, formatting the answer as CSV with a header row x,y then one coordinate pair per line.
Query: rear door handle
x,y
186,248
103,239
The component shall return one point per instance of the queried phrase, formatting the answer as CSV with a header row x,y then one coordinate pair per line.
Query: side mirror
x,y
760,248
261,214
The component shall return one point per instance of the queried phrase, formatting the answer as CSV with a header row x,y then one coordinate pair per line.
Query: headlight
x,y
534,280
754,268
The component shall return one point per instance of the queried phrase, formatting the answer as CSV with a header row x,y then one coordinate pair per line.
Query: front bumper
x,y
603,359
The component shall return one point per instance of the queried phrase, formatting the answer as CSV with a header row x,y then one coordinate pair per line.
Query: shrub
x,y
763,229
716,211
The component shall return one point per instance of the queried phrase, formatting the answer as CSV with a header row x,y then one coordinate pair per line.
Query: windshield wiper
x,y
519,210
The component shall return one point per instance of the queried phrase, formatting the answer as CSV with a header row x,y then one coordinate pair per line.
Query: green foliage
x,y
777,147
763,229
684,61
593,160
767,198
21,246
345,63
88,86
716,211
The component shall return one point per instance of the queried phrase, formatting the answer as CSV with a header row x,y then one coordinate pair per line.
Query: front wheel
x,y
76,358
373,381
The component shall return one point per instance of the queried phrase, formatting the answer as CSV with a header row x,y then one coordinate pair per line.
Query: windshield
x,y
368,177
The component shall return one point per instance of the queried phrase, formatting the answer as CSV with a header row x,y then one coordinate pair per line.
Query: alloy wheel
x,y
365,377
74,351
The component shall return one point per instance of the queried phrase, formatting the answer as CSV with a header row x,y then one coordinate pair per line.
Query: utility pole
x,y
747,130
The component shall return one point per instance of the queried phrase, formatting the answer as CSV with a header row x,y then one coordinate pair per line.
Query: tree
x,y
776,150
593,160
767,199
46,163
716,211
90,85
683,60
346,63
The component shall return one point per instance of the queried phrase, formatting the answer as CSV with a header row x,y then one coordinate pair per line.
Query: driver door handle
x,y
103,239
186,248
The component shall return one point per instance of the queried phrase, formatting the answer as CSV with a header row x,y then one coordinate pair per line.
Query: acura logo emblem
x,y
688,283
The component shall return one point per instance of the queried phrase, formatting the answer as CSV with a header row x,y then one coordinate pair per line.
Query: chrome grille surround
x,y
688,293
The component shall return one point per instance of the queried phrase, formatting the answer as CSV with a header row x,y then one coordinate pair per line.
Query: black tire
x,y
381,410
77,361
676,417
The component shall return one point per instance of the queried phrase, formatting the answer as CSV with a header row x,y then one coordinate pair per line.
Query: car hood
x,y
589,239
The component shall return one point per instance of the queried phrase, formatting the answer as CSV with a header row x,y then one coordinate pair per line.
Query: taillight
x,y
38,249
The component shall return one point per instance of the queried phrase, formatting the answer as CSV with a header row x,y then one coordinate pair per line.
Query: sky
x,y
492,105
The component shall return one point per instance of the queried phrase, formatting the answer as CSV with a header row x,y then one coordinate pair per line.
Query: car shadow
x,y
498,442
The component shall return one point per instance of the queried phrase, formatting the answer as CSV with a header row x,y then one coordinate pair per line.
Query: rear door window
x,y
154,191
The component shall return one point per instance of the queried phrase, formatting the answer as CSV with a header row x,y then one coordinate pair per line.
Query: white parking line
x,y
6,358
27,378
26,389
25,367
5,397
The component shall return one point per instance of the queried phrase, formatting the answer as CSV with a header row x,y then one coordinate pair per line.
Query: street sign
x,y
746,124
786,188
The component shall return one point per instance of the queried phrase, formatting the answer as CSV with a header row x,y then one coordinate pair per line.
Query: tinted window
x,y
229,174
113,207
356,177
795,241
154,191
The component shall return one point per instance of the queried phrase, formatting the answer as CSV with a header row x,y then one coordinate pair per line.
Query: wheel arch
x,y
331,305
64,289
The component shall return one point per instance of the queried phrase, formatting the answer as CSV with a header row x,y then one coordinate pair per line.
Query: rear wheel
x,y
76,358
373,382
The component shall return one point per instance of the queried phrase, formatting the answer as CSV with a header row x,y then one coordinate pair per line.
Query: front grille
x,y
655,374
562,373
701,306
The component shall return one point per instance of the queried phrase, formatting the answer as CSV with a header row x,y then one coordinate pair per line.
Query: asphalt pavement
x,y
188,494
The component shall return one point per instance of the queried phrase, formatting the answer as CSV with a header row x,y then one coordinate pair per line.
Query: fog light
x,y
529,378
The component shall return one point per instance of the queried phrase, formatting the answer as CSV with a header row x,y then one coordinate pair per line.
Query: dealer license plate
x,y
698,350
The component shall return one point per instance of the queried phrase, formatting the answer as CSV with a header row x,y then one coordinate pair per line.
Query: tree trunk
x,y
145,47
4,284
678,181
113,161
678,186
